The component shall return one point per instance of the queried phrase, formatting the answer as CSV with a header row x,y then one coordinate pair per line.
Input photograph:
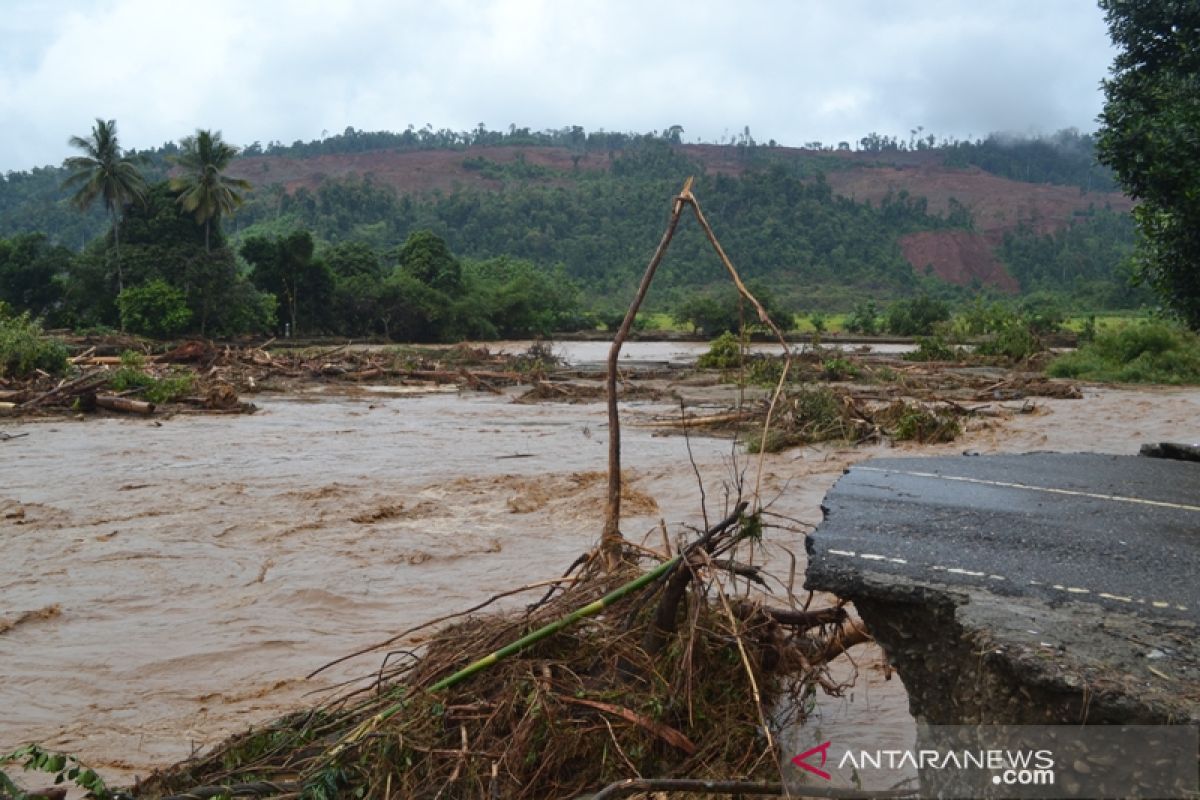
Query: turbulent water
x,y
165,583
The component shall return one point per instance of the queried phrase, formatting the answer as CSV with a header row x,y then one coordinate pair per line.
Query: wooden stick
x,y
611,538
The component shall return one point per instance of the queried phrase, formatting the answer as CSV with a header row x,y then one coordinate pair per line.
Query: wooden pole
x,y
610,540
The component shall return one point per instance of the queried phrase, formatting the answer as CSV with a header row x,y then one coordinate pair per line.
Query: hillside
x,y
996,205
822,227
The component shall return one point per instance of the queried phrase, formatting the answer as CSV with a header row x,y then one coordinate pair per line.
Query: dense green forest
x,y
542,250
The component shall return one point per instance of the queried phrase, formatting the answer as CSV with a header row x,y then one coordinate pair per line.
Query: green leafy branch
x,y
64,768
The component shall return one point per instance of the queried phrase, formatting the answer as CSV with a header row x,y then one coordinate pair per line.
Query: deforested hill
x,y
822,225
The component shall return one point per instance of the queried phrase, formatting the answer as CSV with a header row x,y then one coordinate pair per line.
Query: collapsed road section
x,y
1024,589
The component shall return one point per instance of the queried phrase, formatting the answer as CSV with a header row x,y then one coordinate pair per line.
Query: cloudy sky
x,y
792,70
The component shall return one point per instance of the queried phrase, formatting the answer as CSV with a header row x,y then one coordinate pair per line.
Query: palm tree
x,y
104,172
203,190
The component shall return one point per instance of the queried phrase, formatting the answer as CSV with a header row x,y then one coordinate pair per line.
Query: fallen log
x,y
124,404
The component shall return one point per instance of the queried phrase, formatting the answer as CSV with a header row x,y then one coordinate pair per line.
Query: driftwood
x,y
124,404
77,386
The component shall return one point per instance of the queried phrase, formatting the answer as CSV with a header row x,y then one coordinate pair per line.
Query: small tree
x,y
154,309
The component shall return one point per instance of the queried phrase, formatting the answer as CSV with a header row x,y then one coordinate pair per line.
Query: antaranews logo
x,y
1010,767
801,760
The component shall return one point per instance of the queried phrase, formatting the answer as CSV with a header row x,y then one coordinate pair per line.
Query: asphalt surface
x,y
1085,531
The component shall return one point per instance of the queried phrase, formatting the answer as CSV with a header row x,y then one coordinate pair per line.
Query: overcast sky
x,y
793,70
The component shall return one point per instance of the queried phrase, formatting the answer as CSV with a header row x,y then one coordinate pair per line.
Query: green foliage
x,y
1006,331
104,172
1151,138
932,348
916,317
205,191
64,768
30,272
1065,158
806,415
1090,260
154,309
864,319
24,348
1147,352
724,352
818,321
302,285
520,300
132,375
839,369
765,370
717,310
426,257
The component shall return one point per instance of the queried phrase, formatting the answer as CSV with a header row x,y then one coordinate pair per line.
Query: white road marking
x,y
1008,485
976,574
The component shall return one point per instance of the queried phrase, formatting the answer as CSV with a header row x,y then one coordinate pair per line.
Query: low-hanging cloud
x,y
791,71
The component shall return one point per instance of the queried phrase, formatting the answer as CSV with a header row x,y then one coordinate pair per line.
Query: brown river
x,y
165,583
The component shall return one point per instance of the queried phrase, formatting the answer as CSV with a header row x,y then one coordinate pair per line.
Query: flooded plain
x,y
165,583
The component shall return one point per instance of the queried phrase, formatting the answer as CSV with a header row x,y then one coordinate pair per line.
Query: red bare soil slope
x,y
997,204
958,257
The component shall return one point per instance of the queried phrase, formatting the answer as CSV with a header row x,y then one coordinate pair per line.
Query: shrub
x,y
1016,340
724,352
24,347
932,348
1149,352
132,375
915,317
864,319
154,309
839,369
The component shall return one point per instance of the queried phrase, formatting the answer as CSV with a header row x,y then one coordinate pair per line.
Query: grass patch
x,y
1146,352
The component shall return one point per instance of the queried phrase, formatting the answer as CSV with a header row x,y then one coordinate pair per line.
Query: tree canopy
x,y
1151,138
103,172
204,188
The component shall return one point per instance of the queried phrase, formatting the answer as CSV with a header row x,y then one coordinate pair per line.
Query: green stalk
x,y
554,627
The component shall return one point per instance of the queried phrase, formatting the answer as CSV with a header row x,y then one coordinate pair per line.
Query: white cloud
x,y
792,71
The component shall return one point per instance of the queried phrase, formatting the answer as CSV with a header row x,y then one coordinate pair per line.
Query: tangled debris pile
x,y
667,671
120,376
856,399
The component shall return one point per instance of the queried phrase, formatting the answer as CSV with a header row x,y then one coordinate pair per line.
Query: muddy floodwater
x,y
164,583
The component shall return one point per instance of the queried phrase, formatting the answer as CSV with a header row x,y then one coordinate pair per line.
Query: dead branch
x,y
611,538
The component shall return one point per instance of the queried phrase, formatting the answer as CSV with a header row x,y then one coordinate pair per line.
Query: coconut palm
x,y
105,173
203,190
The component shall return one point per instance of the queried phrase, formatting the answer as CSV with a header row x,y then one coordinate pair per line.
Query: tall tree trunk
x,y
207,249
116,223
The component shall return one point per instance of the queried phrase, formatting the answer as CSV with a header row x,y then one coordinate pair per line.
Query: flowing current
x,y
165,583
